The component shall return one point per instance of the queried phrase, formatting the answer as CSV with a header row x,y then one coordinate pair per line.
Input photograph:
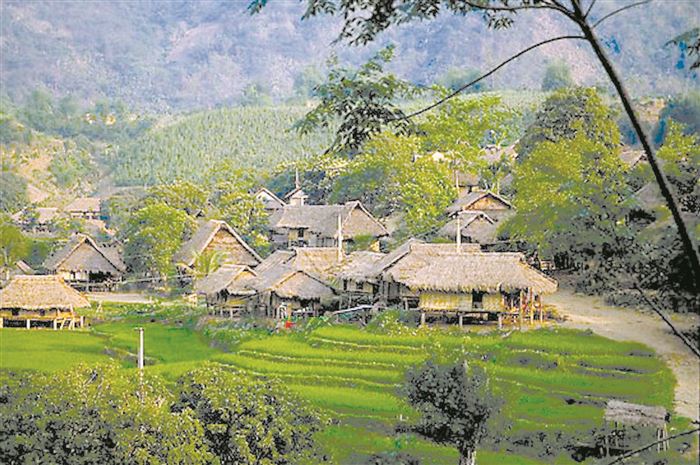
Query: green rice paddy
x,y
550,380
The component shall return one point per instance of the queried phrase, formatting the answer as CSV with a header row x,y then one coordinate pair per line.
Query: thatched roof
x,y
296,193
414,249
483,271
23,267
84,205
45,215
468,202
634,414
277,258
235,279
478,226
40,293
204,235
289,283
317,261
323,220
35,194
82,253
358,265
269,199
649,197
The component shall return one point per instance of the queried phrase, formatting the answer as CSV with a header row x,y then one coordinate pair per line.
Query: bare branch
x,y
590,7
543,6
655,307
489,73
649,446
619,10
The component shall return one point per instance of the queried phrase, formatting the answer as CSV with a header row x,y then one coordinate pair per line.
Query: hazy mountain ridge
x,y
186,54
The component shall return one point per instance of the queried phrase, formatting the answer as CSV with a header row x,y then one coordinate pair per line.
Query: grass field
x,y
550,380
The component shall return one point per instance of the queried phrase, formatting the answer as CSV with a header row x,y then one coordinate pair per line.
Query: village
x,y
314,268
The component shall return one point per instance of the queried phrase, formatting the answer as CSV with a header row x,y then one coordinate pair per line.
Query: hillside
x,y
247,137
192,55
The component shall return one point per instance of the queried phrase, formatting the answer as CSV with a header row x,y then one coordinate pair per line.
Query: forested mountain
x,y
185,54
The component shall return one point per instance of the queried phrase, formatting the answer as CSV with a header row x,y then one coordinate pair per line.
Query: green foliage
x,y
249,421
557,76
180,194
14,245
455,404
13,192
94,416
256,95
680,155
456,78
72,165
222,141
564,113
153,235
361,102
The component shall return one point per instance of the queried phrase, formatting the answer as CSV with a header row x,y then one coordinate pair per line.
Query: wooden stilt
x,y
2,322
500,321
461,321
55,325
422,318
82,321
29,323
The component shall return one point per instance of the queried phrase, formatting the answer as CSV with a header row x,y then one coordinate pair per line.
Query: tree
x,y
153,235
564,113
557,76
455,78
181,194
14,245
455,404
247,420
13,192
208,262
571,201
96,415
364,20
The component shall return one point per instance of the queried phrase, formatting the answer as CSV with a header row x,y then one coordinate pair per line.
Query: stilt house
x,y
32,301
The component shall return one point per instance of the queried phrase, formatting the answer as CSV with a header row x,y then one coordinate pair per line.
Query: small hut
x,y
284,290
216,236
40,301
227,290
87,208
324,225
85,264
622,414
495,206
354,273
473,226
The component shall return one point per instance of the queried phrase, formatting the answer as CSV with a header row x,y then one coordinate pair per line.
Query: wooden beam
x,y
29,323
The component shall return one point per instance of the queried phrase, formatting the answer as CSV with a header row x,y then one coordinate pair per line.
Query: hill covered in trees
x,y
191,55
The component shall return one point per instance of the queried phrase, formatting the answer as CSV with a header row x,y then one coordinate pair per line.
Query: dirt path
x,y
123,297
586,312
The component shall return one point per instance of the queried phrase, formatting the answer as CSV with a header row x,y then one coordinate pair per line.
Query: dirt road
x,y
586,312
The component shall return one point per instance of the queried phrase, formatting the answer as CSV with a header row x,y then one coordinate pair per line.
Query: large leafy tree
x,y
13,192
455,404
153,235
249,421
14,245
566,112
98,415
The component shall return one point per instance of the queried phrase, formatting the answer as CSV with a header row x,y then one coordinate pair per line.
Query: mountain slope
x,y
185,54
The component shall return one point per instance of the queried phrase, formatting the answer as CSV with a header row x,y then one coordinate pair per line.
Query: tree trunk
x,y
468,457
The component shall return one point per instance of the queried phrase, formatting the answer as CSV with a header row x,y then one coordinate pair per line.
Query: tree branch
x,y
484,76
619,10
663,316
544,6
649,446
590,7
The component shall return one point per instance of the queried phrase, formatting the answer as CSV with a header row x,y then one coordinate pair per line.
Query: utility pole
x,y
140,357
340,238
459,233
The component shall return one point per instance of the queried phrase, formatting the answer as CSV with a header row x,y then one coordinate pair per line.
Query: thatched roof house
x,y
480,201
354,271
633,157
474,226
490,272
218,236
495,153
284,287
84,207
82,261
40,292
626,413
228,287
318,225
269,200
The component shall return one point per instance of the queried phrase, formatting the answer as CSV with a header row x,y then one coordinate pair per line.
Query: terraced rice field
x,y
550,380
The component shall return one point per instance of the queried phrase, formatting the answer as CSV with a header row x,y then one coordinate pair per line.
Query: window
x,y
477,299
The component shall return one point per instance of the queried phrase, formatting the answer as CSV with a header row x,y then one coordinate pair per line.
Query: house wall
x,y
360,224
445,301
493,302
232,249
